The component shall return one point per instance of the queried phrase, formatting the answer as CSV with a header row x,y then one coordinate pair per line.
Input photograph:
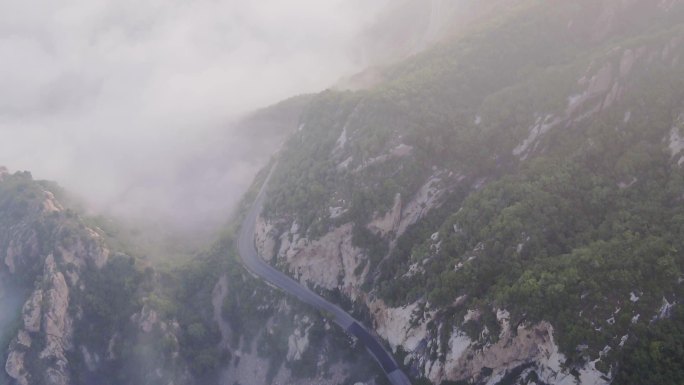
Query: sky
x,y
104,96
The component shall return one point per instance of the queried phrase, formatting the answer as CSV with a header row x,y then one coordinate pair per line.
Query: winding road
x,y
254,263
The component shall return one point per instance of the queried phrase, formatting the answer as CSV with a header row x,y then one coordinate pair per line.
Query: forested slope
x,y
525,173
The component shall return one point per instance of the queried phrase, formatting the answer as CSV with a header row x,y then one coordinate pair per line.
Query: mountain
x,y
75,309
74,306
504,207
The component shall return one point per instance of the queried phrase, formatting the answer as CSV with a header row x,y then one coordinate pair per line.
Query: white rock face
x,y
603,88
91,360
12,253
329,262
56,325
665,309
147,319
465,360
31,312
218,295
50,204
336,212
341,141
458,345
298,342
529,345
425,199
345,163
676,143
15,367
395,326
264,239
24,339
84,249
400,151
472,315
541,127
56,320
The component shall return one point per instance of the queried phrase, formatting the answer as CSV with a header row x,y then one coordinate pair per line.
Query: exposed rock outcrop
x,y
47,246
602,87
398,326
15,367
45,315
424,200
218,295
328,262
676,141
265,240
57,325
298,341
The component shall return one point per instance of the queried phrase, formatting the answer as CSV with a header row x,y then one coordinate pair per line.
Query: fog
x,y
110,98
139,108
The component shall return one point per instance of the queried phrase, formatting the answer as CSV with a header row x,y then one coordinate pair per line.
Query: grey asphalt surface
x,y
255,264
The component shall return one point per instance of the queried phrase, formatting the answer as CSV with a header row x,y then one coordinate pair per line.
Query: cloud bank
x,y
109,96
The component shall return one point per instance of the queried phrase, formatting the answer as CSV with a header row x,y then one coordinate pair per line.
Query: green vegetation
x,y
432,103
570,235
566,230
17,192
110,299
186,298
655,355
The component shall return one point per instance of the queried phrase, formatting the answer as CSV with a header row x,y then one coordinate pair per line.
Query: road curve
x,y
254,263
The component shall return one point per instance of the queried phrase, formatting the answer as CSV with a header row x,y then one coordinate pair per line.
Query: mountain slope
x,y
505,207
508,202
77,311
81,314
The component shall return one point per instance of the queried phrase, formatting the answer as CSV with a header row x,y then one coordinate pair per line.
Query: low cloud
x,y
112,97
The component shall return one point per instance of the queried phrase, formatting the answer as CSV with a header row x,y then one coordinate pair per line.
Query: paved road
x,y
258,266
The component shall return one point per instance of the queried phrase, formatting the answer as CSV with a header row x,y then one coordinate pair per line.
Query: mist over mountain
x,y
388,192
123,102
115,99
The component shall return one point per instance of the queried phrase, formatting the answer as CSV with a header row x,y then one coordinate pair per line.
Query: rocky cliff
x,y
39,245
53,260
401,198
